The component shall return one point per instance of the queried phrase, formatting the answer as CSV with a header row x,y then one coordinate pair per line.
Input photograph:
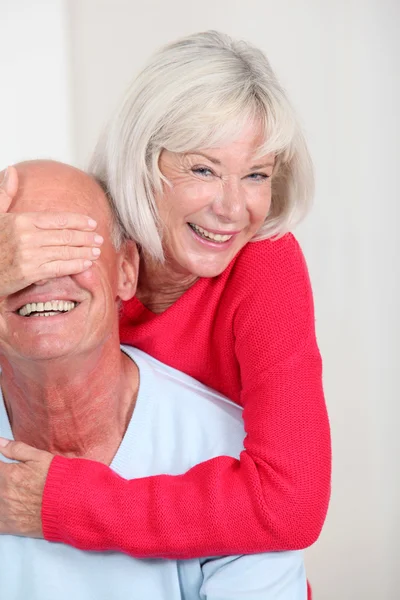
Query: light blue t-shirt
x,y
177,423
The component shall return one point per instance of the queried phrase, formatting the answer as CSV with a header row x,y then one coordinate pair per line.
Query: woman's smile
x,y
212,237
212,208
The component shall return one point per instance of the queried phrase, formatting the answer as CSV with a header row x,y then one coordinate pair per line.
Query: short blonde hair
x,y
199,92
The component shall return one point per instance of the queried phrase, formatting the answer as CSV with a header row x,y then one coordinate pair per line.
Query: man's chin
x,y
46,347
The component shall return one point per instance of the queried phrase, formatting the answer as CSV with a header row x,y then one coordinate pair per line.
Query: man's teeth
x,y
46,309
215,237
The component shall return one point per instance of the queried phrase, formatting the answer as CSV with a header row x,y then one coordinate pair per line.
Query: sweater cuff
x,y
51,510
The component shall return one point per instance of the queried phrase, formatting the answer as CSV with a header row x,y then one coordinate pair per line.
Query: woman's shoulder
x,y
267,277
275,308
273,249
275,260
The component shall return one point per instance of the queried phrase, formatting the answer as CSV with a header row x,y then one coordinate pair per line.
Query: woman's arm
x,y
274,498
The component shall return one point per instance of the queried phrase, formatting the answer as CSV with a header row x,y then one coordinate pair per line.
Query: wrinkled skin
x,y
21,489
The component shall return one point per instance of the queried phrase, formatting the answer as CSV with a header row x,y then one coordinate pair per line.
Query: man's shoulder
x,y
162,374
184,407
176,423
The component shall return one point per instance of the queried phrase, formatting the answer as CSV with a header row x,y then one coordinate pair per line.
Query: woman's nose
x,y
230,204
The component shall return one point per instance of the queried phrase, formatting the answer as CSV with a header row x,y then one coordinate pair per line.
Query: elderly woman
x,y
209,171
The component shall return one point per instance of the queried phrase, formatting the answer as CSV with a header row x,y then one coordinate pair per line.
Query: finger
x,y
20,451
55,253
67,237
49,270
8,188
60,220
61,268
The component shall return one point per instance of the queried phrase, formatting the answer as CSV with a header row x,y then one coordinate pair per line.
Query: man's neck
x,y
76,407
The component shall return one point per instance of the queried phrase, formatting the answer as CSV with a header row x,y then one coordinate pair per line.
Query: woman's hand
x,y
21,488
41,245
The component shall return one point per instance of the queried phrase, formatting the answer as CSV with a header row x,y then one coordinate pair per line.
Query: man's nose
x,y
230,204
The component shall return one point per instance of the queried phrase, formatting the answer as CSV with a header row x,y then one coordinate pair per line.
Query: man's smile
x,y
46,309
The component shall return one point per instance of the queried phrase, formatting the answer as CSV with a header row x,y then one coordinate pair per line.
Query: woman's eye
x,y
203,171
258,176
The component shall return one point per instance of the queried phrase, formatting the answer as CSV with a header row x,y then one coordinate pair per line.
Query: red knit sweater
x,y
248,333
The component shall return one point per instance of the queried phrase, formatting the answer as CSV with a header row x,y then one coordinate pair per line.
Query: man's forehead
x,y
53,196
57,187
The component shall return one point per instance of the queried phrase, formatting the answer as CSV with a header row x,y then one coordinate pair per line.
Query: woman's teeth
x,y
46,309
215,237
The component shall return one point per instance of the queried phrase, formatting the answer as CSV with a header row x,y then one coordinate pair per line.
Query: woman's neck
x,y
160,284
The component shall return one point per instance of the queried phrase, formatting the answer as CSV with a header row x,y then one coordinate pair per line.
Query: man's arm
x,y
268,576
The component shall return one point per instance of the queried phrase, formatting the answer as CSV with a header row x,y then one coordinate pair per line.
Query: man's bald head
x,y
85,315
46,185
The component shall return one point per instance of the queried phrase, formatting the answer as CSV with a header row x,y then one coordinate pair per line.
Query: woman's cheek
x,y
261,203
198,195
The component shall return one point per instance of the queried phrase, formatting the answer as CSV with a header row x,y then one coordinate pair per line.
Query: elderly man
x,y
68,387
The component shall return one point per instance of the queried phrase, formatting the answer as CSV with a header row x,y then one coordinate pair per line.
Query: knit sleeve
x,y
288,435
275,497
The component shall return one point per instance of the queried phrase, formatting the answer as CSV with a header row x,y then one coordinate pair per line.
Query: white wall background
x,y
64,66
35,84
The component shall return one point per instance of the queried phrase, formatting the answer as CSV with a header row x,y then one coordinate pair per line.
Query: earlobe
x,y
128,270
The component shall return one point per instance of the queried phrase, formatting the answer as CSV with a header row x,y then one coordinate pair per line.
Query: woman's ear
x,y
128,270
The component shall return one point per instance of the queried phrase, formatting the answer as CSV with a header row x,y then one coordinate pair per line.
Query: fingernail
x,y
5,177
98,239
4,442
96,251
87,264
92,223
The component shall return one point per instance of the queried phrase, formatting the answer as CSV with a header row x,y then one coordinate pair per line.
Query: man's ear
x,y
128,270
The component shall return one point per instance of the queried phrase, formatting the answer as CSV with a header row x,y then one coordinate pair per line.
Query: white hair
x,y
118,233
199,92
